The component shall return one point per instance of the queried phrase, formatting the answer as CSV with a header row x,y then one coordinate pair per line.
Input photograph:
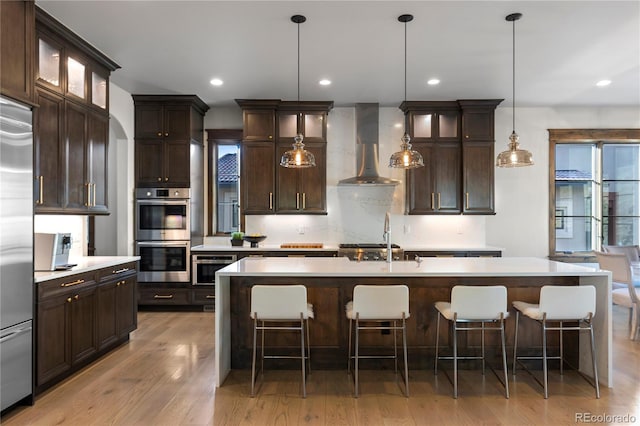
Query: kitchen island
x,y
330,283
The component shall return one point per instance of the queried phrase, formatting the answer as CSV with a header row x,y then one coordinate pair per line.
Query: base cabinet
x,y
81,317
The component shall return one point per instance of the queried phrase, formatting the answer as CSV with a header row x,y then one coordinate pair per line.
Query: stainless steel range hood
x,y
367,152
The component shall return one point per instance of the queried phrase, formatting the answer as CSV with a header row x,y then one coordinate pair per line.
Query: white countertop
x,y
274,247
451,266
84,264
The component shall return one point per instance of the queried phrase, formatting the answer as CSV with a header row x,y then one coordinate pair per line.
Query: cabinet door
x,y
149,162
176,160
97,161
48,149
53,350
17,20
478,177
177,124
420,183
78,188
313,181
148,121
83,325
446,165
257,177
478,125
107,304
288,198
259,125
126,306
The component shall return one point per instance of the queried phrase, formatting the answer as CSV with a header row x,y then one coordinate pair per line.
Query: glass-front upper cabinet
x,y
98,90
440,125
49,63
76,77
310,124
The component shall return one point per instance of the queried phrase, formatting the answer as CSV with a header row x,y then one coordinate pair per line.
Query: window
x,y
224,181
594,191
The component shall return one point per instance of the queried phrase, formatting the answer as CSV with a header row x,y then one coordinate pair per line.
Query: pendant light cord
x,y
513,105
405,61
298,62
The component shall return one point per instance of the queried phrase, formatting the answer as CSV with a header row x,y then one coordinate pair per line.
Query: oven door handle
x,y
214,262
162,244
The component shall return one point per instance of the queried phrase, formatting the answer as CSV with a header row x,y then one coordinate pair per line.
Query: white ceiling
x,y
562,49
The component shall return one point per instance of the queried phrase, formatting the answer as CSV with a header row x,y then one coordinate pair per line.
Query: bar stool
x,y
469,305
559,304
378,304
280,307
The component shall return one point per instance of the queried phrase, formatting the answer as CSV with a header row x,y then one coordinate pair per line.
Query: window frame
x,y
216,137
577,136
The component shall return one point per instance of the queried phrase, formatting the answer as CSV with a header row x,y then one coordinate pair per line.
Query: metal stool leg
x,y
262,351
483,364
504,357
308,346
253,363
395,347
593,359
544,357
406,366
435,366
357,353
455,356
515,343
302,361
561,351
349,358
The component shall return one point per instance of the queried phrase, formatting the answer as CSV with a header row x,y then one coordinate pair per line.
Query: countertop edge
x,y
84,264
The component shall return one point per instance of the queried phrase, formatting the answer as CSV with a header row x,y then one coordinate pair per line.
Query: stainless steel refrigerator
x,y
16,253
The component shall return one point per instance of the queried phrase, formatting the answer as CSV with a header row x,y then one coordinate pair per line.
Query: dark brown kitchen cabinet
x,y
71,126
434,128
17,43
165,128
269,127
117,305
456,140
435,188
65,325
257,177
48,134
302,190
478,156
81,317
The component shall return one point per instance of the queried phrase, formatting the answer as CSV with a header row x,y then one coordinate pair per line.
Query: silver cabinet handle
x,y
438,201
304,200
41,195
158,296
432,201
466,200
88,202
297,201
271,201
94,194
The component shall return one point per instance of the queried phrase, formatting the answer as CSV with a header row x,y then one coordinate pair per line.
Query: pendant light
x,y
298,157
514,156
406,158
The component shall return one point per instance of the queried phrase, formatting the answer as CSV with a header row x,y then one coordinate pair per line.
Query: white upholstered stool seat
x,y
378,304
558,305
484,305
280,307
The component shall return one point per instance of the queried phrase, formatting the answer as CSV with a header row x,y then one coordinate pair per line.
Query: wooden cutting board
x,y
301,245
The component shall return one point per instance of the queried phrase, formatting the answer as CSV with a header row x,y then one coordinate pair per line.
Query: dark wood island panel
x,y
329,329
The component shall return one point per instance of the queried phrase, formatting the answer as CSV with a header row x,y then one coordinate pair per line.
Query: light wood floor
x,y
165,375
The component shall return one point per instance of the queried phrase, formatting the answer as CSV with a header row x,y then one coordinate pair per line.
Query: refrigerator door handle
x,y
14,334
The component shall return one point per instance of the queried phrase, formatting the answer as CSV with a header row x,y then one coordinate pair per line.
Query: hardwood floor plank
x,y
165,376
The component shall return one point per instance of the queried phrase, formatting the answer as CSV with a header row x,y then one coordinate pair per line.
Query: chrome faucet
x,y
387,236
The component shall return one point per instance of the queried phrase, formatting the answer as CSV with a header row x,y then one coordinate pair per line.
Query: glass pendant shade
x,y
514,156
406,158
298,157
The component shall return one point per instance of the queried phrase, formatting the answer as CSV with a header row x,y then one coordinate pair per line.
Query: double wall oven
x,y
163,234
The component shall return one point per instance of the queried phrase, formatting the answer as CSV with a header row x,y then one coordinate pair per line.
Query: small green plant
x,y
237,235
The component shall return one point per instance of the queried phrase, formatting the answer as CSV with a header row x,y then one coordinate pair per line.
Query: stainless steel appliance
x,y
16,253
204,267
164,261
162,214
51,251
368,252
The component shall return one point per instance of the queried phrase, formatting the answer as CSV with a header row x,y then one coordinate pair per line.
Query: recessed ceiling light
x,y
433,82
603,83
324,82
397,125
216,82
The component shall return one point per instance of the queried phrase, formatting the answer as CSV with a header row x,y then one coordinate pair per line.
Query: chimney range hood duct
x,y
367,155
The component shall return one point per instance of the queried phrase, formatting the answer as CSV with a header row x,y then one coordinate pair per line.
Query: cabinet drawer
x,y
59,286
163,296
204,296
117,271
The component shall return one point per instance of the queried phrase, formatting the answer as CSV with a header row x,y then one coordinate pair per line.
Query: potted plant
x,y
237,238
